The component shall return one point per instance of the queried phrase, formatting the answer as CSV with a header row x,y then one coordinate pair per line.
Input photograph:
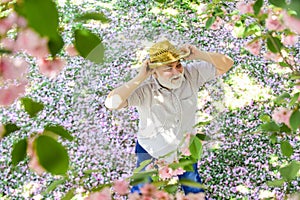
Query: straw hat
x,y
163,53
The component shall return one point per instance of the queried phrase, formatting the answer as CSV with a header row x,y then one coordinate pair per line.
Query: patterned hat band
x,y
163,53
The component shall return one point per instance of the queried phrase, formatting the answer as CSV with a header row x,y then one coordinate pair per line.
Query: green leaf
x,y
201,124
203,137
239,29
171,189
94,16
270,127
278,3
55,44
290,171
284,64
295,120
284,128
276,183
139,180
51,155
142,177
294,99
286,148
195,147
295,76
142,165
252,29
90,171
54,185
89,45
159,183
41,15
274,44
19,152
160,1
273,138
280,99
265,118
10,128
257,6
143,174
191,183
70,194
182,163
4,51
31,107
59,130
209,22
295,6
98,188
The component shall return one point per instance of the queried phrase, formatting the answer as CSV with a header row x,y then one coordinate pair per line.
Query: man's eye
x,y
178,66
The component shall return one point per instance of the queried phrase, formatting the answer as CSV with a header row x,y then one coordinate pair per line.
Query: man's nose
x,y
175,71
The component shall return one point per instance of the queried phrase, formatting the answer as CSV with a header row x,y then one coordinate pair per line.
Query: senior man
x,y
165,93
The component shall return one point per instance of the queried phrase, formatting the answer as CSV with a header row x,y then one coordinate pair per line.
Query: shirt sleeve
x,y
138,96
202,72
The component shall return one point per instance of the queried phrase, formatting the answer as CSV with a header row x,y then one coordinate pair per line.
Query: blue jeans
x,y
142,155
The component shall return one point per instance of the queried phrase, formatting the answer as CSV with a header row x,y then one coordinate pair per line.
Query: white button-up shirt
x,y
165,116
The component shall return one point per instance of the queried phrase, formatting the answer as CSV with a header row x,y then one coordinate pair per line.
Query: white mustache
x,y
176,76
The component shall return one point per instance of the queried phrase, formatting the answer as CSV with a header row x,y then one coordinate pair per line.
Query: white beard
x,y
171,83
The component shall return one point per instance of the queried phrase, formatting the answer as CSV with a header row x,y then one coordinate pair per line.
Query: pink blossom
x,y
289,39
244,7
165,172
297,86
8,43
275,57
273,23
282,115
35,165
33,162
121,187
197,196
217,24
71,50
178,171
11,93
146,198
161,195
134,196
235,18
7,23
229,26
148,189
2,131
21,22
180,196
12,68
185,151
104,194
254,47
30,42
51,68
291,22
5,1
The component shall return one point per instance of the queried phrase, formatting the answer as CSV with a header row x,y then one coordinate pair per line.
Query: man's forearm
x,y
222,62
117,98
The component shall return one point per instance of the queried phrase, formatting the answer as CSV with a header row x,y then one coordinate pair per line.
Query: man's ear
x,y
154,73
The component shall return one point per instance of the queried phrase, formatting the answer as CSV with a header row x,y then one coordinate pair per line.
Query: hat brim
x,y
159,64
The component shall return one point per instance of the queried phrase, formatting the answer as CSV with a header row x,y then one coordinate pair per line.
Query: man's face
x,y
171,75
